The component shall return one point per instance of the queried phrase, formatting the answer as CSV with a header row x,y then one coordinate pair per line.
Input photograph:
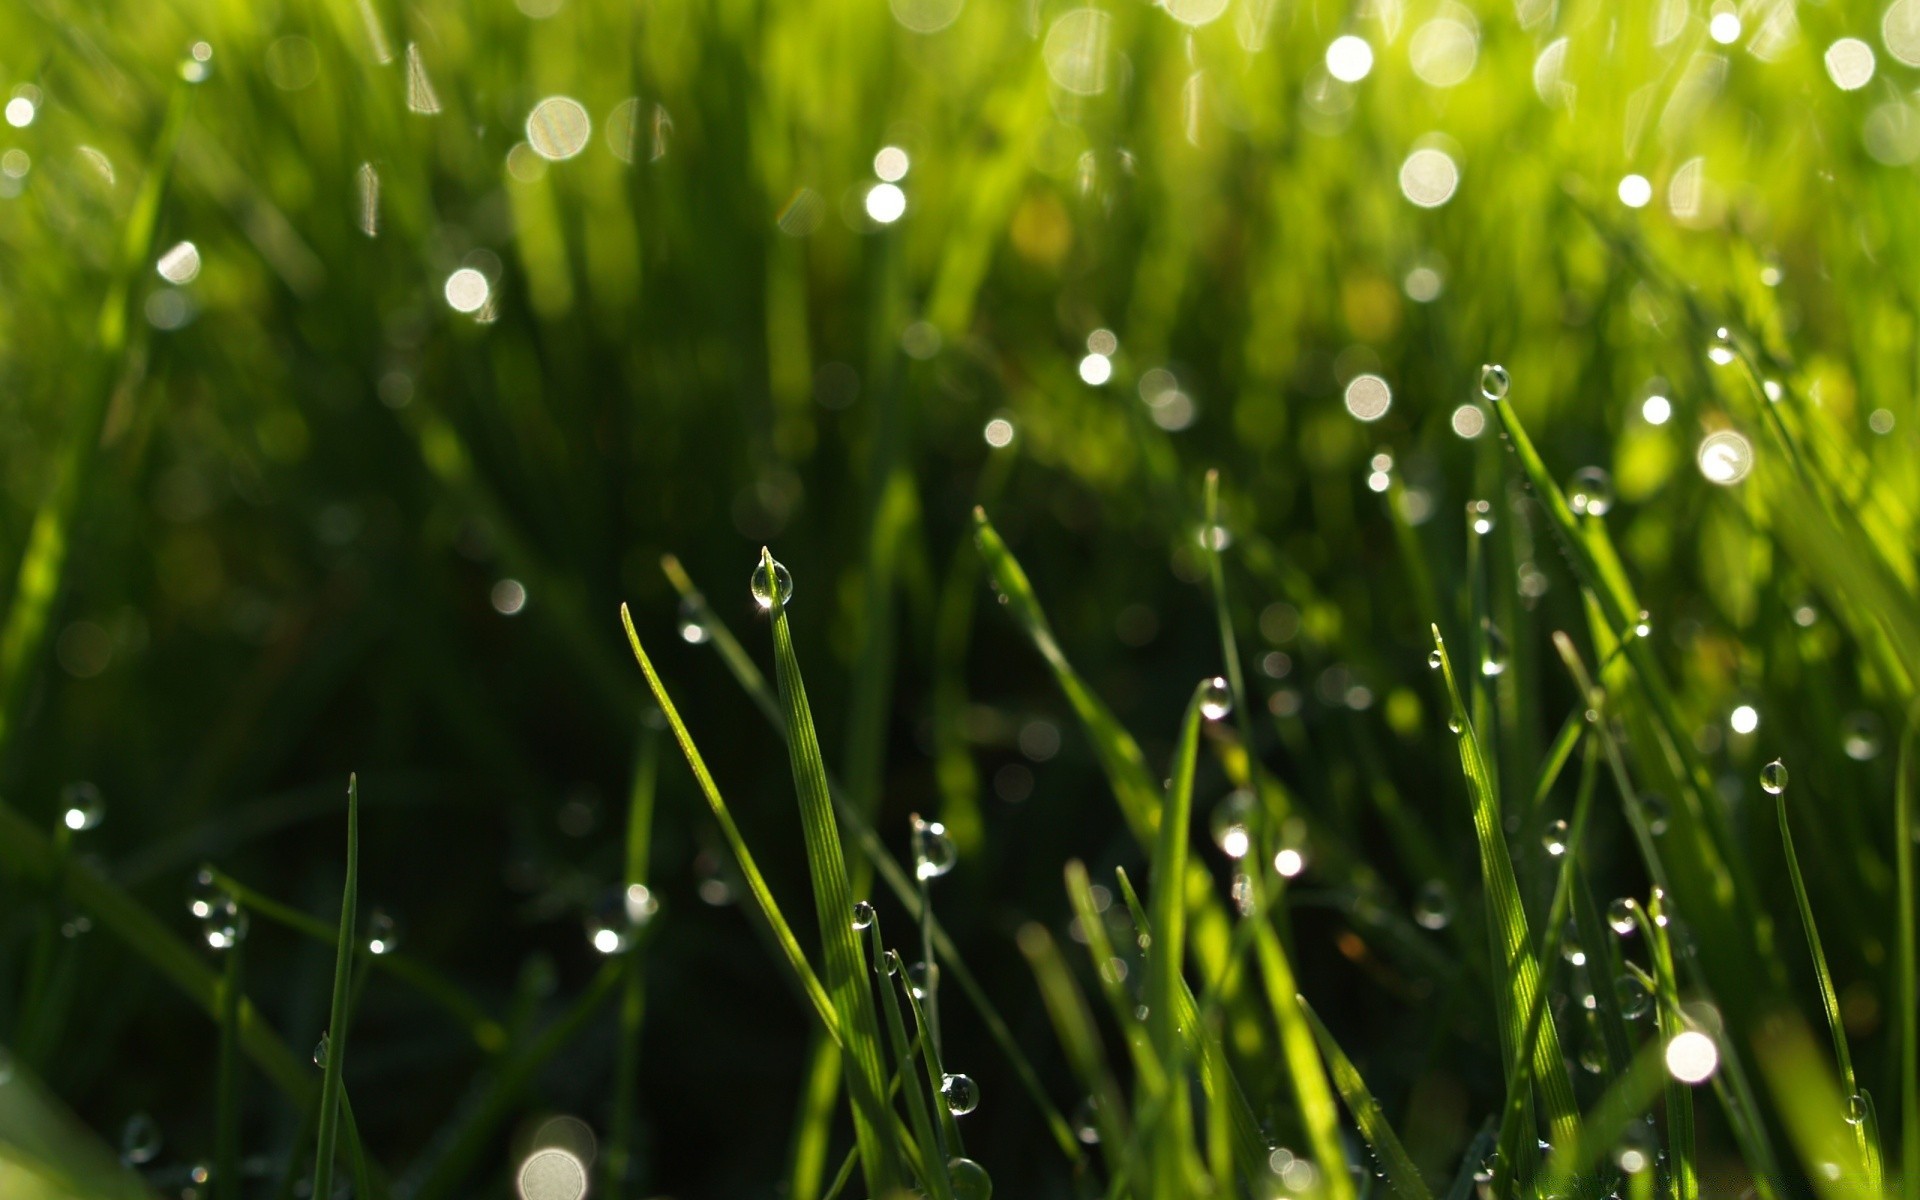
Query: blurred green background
x,y
357,479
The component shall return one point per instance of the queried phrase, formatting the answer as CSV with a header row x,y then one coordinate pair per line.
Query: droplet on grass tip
x,y
764,593
693,628
1433,906
1692,1057
1554,837
923,979
1494,382
1495,661
862,915
1725,457
383,933
1773,778
322,1049
934,853
1860,736
1216,699
961,1093
1632,996
1590,493
81,806
1857,1109
139,1140
1621,916
1229,823
1434,660
1480,516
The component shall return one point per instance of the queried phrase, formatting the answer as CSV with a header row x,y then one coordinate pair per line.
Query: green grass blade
x,y
1829,1000
1402,1176
906,890
1681,1154
919,1116
1073,1023
846,980
1906,994
336,1034
618,1160
1633,1090
1166,958
749,870
1518,987
226,1140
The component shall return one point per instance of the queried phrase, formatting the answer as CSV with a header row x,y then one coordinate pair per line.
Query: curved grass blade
x,y
1168,1142
626,1071
748,675
846,978
336,1034
1073,1024
1829,1000
1402,1176
919,1116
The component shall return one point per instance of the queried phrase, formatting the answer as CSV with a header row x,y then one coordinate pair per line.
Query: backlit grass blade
x,y
1168,953
1633,1089
618,1160
1829,1000
907,891
1813,1110
846,979
749,870
1519,979
1681,1153
919,1114
226,1138
336,1033
1402,1176
1906,996
1079,1038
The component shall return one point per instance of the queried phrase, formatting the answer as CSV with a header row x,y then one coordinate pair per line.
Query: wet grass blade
x,y
626,1071
1402,1176
1680,1142
1634,1088
748,675
1079,1038
743,857
336,1034
1829,1000
1520,979
919,1114
226,1138
833,902
1168,954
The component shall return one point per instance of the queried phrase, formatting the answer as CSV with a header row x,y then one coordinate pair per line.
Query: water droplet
x,y
782,583
961,1093
222,921
618,915
1086,1122
1621,916
1434,660
1773,778
862,915
891,961
1230,823
1433,906
1590,492
1570,947
1494,381
383,935
923,979
1860,736
934,853
1495,662
1454,726
420,94
1856,1109
139,1140
1633,997
969,1179
1216,701
1720,350
1480,516
321,1049
1554,837
1654,806
693,630
81,806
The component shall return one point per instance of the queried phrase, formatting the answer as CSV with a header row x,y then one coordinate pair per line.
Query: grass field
x,y
1240,597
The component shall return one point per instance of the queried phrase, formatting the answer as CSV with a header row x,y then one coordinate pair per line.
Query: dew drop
x,y
1454,726
1480,516
763,595
383,934
1590,492
891,961
934,853
1494,381
1856,1109
923,979
1860,736
1720,350
862,915
1621,917
1433,905
1643,624
1433,660
1216,701
1773,778
1495,661
321,1049
693,630
1554,838
969,1179
1632,996
81,806
1086,1122
1571,948
1229,823
961,1093
139,1140
1654,806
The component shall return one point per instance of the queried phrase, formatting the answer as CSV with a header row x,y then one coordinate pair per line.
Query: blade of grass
x,y
626,1071
846,980
1402,1176
1169,1142
919,1116
336,1034
1513,953
1073,1024
1626,1099
1829,1000
226,1154
1680,1140
907,891
1906,995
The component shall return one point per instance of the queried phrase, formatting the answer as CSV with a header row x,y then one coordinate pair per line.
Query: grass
x,y
1347,801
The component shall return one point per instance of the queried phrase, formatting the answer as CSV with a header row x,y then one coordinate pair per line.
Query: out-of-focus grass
x,y
276,508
